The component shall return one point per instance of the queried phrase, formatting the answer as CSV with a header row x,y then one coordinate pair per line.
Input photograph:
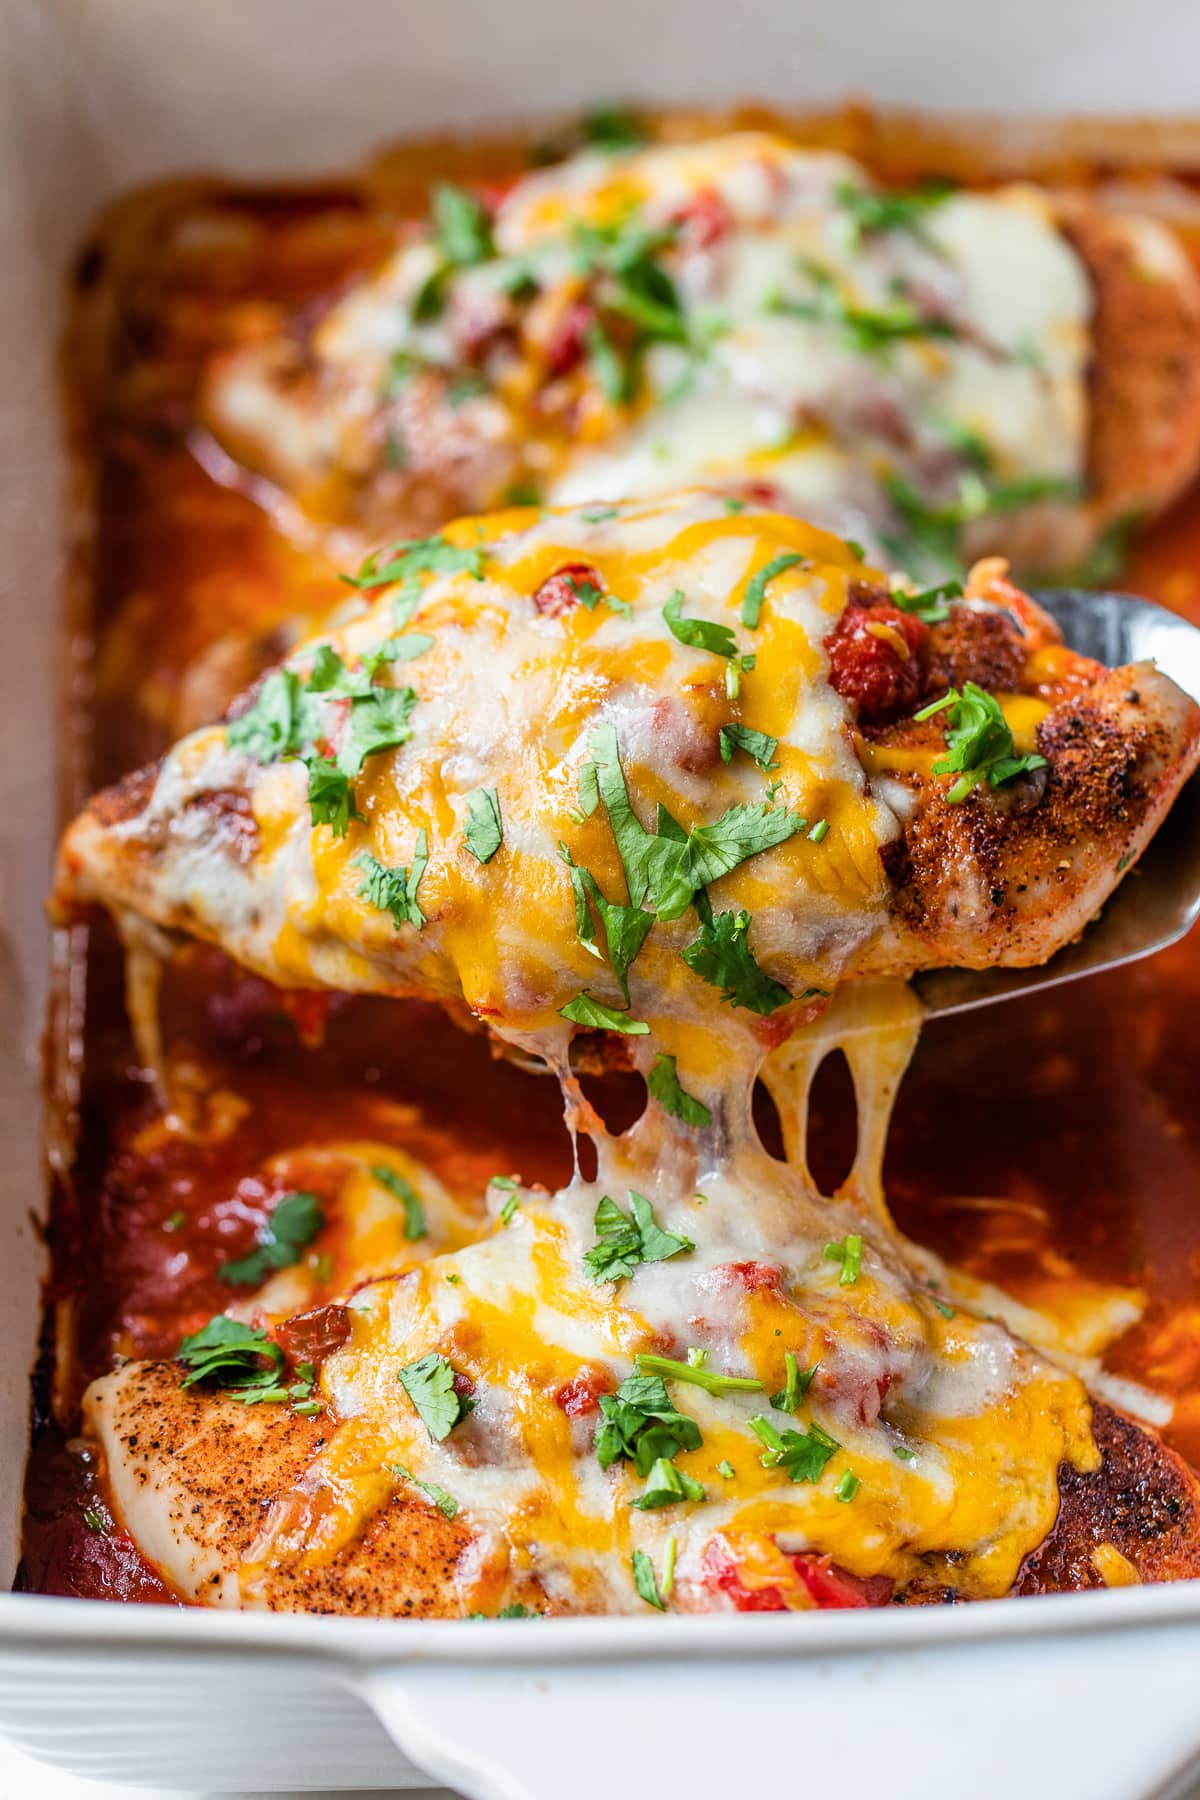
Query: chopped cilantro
x,y
461,227
866,329
696,1374
239,1357
664,1086
415,1225
930,605
847,1486
756,744
595,1016
288,1229
508,1211
400,649
622,1242
721,955
644,1581
485,827
698,634
331,798
395,890
611,373
600,515
819,832
611,128
904,1453
641,1425
726,1470
979,743
796,1384
378,721
429,1384
666,1486
273,726
515,1611
848,1252
445,1503
802,1455
877,212
625,927
756,590
416,556
96,1521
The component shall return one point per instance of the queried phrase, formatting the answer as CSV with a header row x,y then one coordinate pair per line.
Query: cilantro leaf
x,y
611,128
395,890
287,1230
698,634
802,1455
587,1011
232,1355
796,1384
848,1252
625,927
429,1384
721,955
979,742
399,649
877,212
696,1374
756,591
641,1424
664,1086
515,1611
739,833
378,721
622,1242
446,1504
462,230
416,556
415,1225
331,798
331,676
272,727
670,865
756,744
485,827
666,1486
930,605
644,1580
613,374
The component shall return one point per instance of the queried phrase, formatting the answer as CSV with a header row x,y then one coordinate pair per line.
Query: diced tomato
x,y
312,1336
755,1277
824,1584
558,593
703,221
720,1571
568,339
581,1395
830,1586
874,660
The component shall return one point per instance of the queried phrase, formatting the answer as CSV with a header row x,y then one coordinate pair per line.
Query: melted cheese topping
x,y
952,1429
781,372
510,698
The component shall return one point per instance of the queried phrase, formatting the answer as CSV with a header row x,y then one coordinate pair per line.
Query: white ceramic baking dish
x,y
1086,1696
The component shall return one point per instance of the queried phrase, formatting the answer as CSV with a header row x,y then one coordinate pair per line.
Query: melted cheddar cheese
x,y
784,334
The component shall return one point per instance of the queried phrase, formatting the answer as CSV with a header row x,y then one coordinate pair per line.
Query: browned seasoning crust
x,y
225,1464
1143,1500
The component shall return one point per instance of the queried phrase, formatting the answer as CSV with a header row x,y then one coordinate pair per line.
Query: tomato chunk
x,y
560,591
580,1396
312,1336
703,221
874,660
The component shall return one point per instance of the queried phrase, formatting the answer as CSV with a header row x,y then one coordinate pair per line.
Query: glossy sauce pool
x,y
1044,1143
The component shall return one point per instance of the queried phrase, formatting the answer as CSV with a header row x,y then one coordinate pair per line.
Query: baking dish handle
x,y
1107,1714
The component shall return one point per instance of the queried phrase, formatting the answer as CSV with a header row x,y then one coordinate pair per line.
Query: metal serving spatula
x,y
1162,901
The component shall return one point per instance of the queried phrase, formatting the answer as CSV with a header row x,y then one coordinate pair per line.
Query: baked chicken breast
x,y
928,372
